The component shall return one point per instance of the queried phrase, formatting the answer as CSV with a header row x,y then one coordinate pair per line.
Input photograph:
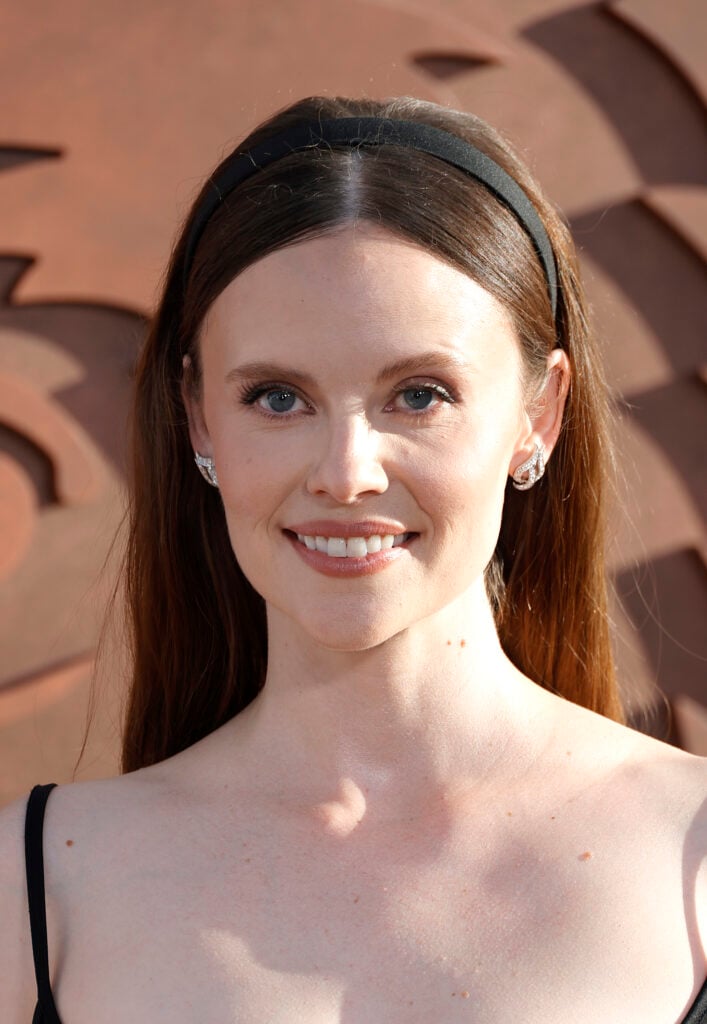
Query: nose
x,y
348,464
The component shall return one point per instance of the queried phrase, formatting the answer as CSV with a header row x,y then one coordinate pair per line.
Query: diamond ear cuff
x,y
530,471
206,468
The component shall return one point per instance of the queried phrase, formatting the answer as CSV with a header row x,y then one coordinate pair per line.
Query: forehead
x,y
358,289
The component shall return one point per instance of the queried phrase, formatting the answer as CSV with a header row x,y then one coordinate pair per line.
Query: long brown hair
x,y
198,629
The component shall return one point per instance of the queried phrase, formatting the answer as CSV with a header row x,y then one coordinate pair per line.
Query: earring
x,y
206,468
530,471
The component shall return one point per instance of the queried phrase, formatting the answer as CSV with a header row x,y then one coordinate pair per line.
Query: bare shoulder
x,y
82,824
17,993
659,794
676,783
648,785
643,803
645,769
92,827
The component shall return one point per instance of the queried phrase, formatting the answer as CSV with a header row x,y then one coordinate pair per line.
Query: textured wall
x,y
114,111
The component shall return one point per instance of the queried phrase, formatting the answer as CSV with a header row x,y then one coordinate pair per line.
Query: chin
x,y
349,636
346,628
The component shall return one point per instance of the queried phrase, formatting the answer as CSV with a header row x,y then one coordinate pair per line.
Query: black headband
x,y
374,131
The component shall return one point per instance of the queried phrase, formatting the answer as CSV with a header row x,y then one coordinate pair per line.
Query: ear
x,y
198,432
543,418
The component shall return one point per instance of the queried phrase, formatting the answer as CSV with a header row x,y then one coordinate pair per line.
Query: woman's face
x,y
356,388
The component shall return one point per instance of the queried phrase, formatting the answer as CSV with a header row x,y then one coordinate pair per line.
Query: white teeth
x,y
356,547
352,547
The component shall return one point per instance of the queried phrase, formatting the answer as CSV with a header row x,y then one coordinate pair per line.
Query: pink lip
x,y
346,567
332,528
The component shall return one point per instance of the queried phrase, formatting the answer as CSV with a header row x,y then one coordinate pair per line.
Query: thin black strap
x,y
697,1014
34,863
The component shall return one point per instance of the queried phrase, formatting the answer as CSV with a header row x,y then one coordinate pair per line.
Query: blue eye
x,y
421,398
275,400
418,398
280,400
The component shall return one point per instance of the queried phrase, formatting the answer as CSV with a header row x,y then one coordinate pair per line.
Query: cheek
x,y
246,508
250,489
255,482
461,489
252,468
468,472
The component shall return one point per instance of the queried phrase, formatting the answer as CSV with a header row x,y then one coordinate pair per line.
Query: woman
x,y
376,770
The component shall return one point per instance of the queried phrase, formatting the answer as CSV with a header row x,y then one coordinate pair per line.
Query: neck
x,y
408,719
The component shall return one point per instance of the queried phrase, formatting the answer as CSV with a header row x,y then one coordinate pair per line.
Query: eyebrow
x,y
409,364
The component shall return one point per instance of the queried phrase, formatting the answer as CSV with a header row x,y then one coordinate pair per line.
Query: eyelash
x,y
250,396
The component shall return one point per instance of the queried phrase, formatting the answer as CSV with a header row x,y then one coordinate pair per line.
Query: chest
x,y
476,928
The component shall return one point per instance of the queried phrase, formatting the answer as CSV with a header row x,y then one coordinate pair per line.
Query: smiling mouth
x,y
352,547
